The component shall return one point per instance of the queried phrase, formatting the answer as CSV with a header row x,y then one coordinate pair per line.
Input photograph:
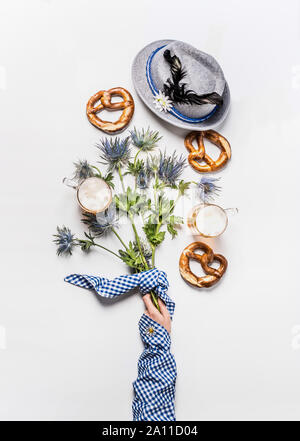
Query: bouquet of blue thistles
x,y
153,174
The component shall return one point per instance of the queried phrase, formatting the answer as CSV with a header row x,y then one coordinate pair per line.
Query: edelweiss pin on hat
x,y
181,85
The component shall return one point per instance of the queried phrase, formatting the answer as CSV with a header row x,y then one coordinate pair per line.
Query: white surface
x,y
63,353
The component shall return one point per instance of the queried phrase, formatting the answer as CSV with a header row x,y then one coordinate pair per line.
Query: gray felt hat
x,y
181,84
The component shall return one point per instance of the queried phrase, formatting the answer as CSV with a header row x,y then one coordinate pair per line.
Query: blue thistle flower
x,y
90,220
143,179
170,168
145,247
145,140
101,223
208,188
108,218
65,240
152,165
83,170
114,152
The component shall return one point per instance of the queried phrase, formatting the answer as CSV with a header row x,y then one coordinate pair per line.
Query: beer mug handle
x,y
70,183
232,211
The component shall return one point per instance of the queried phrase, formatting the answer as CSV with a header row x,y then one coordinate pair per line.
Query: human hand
x,y
162,317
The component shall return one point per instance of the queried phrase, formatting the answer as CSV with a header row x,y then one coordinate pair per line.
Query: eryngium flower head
x,y
64,240
101,223
83,170
145,247
208,188
170,168
114,152
145,140
152,164
108,219
143,179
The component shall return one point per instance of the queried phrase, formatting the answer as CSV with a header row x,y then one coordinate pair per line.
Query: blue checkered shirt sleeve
x,y
154,387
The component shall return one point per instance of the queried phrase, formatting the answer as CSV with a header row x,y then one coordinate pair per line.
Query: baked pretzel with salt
x,y
104,98
198,155
208,257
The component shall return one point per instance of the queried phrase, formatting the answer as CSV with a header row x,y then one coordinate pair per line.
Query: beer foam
x,y
211,220
94,194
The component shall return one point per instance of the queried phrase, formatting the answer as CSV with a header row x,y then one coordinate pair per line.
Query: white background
x,y
64,354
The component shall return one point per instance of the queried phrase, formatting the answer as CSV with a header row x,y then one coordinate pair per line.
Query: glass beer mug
x,y
94,195
209,220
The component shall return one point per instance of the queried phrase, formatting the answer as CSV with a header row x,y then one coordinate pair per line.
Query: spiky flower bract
x,y
143,179
83,170
64,240
101,223
114,152
145,248
208,188
145,140
170,168
108,219
90,220
152,164
135,167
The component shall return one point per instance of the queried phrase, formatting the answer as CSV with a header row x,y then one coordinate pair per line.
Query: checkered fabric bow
x,y
151,280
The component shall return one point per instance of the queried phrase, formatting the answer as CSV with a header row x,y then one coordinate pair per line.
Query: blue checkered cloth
x,y
155,385
151,280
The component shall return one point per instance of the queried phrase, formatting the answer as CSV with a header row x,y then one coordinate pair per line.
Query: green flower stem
x,y
138,241
106,249
156,209
153,295
120,239
155,190
121,178
96,168
153,256
154,300
175,202
137,154
134,163
153,246
158,226
133,224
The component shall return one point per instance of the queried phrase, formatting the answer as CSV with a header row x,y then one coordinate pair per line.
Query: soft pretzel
x,y
199,155
104,98
212,275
